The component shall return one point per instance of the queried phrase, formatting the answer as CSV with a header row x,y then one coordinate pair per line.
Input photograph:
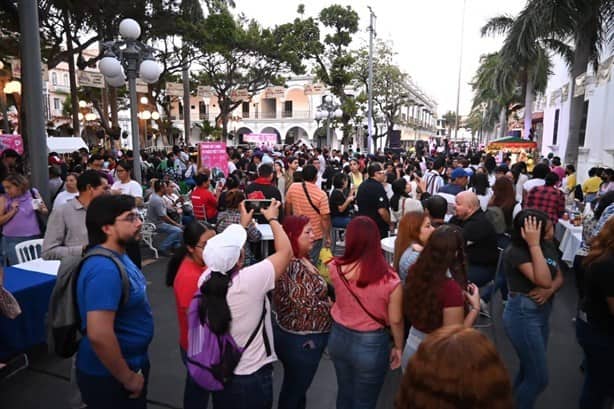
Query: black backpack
x,y
64,321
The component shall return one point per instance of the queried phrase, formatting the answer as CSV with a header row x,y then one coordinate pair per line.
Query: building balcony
x,y
60,89
285,115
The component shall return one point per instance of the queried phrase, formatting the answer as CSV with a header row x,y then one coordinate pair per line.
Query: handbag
x,y
40,219
9,306
373,317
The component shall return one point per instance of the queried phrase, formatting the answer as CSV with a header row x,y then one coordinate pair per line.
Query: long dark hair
x,y
398,188
213,308
519,220
191,237
604,202
444,251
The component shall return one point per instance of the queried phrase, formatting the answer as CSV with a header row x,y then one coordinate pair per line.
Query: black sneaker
x,y
13,366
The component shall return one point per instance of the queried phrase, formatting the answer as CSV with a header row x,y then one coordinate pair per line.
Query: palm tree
x,y
450,118
495,85
586,24
529,53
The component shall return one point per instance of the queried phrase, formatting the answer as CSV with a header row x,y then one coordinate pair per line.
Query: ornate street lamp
x,y
129,58
327,112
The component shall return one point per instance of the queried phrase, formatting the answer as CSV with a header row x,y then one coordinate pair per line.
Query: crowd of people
x,y
467,225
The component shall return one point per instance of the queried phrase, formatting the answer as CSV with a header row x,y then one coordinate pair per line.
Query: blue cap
x,y
459,173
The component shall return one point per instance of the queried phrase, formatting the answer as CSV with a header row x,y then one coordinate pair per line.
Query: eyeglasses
x,y
131,218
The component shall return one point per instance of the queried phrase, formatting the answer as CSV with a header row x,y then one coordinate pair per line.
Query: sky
x,y
426,34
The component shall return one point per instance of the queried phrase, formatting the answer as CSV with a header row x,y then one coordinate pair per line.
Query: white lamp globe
x,y
146,115
129,29
80,116
82,104
319,115
144,100
149,71
90,116
116,82
110,67
328,98
338,113
155,116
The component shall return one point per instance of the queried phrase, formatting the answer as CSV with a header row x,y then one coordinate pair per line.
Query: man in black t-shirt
x,y
263,188
372,200
340,204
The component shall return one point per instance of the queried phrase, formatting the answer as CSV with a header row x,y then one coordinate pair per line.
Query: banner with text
x,y
204,91
90,79
268,139
10,141
213,156
174,89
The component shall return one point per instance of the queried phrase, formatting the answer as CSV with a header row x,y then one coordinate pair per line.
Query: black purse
x,y
41,219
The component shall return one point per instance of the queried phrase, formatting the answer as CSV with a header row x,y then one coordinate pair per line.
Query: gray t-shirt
x,y
156,210
514,256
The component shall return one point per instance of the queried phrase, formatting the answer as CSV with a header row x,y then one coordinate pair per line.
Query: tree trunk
x,y
74,97
502,122
528,107
581,58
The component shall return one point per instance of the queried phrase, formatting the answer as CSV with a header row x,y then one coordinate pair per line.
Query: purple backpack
x,y
212,358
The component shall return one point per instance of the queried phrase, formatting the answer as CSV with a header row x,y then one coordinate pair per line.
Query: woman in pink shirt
x,y
182,273
368,300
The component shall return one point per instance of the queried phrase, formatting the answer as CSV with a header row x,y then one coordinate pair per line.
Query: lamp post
x,y
130,58
327,112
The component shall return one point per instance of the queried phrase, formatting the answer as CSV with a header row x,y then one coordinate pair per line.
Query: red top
x,y
374,297
184,286
450,295
203,199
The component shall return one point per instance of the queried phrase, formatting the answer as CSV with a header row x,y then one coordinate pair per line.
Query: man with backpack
x,y
66,233
112,359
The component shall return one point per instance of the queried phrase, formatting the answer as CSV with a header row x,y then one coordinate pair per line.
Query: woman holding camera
x,y
18,215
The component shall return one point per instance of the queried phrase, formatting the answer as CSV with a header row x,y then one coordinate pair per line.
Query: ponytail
x,y
213,308
191,237
174,263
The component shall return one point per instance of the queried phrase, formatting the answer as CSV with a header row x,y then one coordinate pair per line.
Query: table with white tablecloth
x,y
388,247
267,235
570,238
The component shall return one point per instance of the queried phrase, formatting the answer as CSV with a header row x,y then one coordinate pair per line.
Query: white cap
x,y
223,250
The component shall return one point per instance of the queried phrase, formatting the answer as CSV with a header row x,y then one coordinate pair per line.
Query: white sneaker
x,y
484,308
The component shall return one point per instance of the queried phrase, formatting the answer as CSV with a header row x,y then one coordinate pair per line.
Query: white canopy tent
x,y
65,144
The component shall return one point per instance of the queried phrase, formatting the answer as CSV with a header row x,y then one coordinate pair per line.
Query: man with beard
x,y
112,360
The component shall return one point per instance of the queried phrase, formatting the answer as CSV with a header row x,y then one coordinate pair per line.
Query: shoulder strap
x,y
347,285
309,198
57,192
101,251
267,344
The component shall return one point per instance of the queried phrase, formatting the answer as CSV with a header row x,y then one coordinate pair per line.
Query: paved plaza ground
x,y
45,384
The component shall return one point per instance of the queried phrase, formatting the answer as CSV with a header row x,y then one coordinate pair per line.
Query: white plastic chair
x,y
29,250
147,232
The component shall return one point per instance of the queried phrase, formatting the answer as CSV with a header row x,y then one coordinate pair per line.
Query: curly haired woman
x,y
436,289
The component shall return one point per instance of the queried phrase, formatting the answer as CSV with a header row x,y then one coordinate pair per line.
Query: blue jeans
x,y
194,397
482,277
300,356
526,325
361,362
340,221
103,392
598,363
8,248
253,391
174,236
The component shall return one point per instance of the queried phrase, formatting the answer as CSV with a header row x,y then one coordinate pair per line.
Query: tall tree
x,y
527,52
240,54
589,26
390,84
495,84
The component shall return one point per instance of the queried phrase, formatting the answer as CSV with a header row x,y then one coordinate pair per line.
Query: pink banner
x,y
213,155
269,139
9,141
